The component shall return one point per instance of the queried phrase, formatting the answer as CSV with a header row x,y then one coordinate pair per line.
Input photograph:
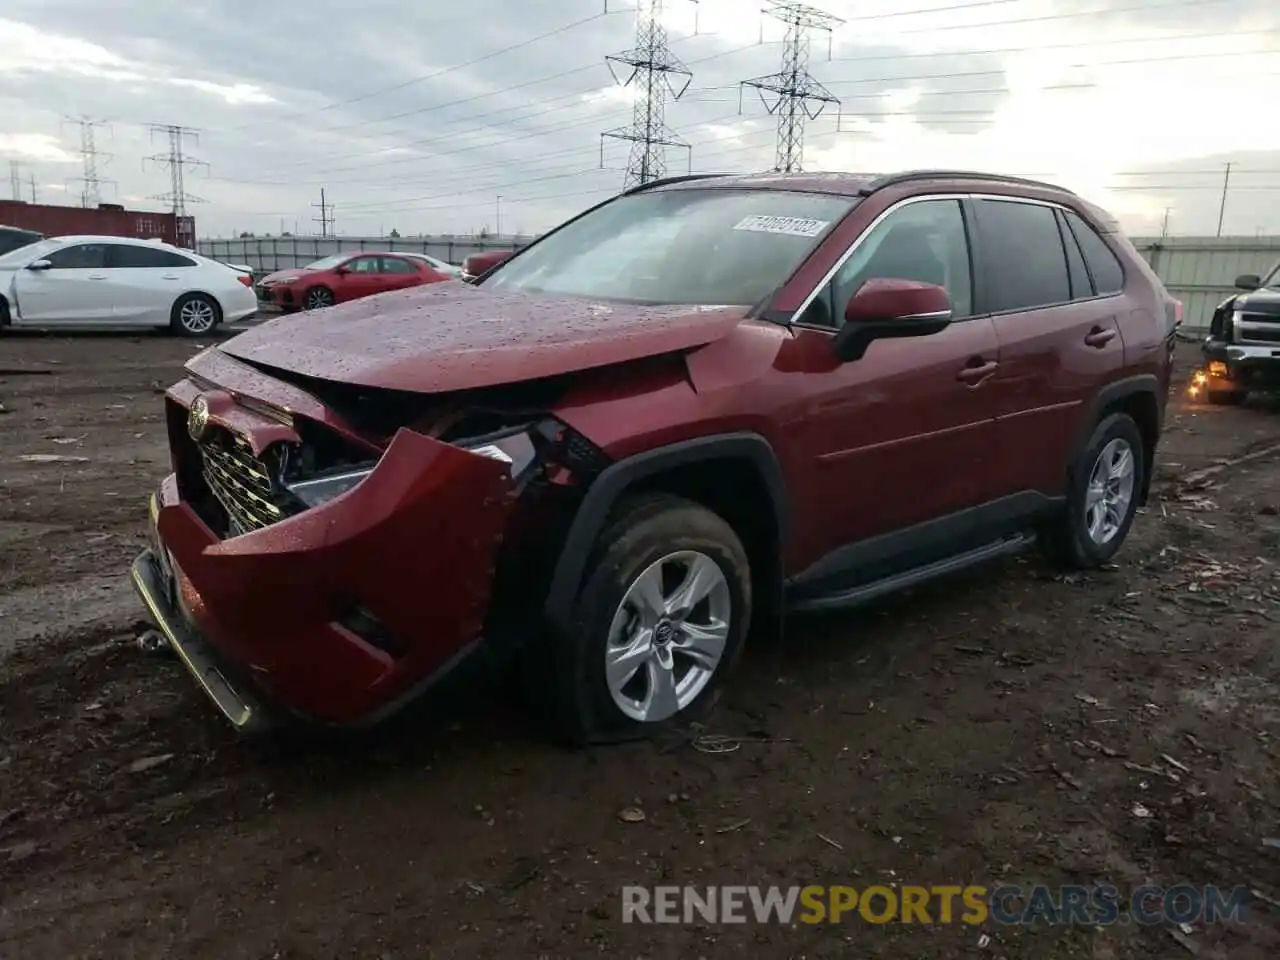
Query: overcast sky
x,y
419,116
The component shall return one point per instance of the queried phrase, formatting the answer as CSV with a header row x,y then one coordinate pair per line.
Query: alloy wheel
x,y
197,316
1110,491
668,636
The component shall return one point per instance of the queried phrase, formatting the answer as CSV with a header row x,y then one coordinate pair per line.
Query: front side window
x,y
695,246
1022,251
925,241
83,256
363,265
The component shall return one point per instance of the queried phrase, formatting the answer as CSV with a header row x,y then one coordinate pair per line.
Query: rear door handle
x,y
169,276
1098,337
97,276
977,371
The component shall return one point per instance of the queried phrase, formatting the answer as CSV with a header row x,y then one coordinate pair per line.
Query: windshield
x,y
32,251
682,246
328,262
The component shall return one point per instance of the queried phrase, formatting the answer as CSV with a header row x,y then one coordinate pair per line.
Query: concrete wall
x,y
1199,271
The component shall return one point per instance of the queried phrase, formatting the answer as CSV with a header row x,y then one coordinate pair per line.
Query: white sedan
x,y
448,269
102,282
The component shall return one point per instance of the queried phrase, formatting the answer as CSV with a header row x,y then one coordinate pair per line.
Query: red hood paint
x,y
449,336
287,276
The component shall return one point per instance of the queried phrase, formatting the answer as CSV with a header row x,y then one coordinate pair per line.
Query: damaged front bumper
x,y
344,613
1230,366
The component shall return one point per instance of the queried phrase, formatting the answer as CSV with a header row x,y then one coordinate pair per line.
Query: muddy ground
x,y
1011,726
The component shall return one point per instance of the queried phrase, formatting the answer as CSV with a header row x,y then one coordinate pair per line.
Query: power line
x,y
795,88
177,162
655,67
91,194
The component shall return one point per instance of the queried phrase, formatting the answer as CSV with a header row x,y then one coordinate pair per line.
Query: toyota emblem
x,y
198,419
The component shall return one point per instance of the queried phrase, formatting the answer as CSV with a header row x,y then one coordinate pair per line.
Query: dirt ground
x,y
1010,726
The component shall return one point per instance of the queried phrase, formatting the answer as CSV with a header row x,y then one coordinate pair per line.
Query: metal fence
x,y
266,254
1199,271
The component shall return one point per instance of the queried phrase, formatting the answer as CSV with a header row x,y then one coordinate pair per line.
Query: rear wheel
x,y
659,624
194,315
1103,487
317,298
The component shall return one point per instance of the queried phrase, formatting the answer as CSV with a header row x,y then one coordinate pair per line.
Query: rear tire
x,y
4,313
317,298
639,660
1104,484
195,315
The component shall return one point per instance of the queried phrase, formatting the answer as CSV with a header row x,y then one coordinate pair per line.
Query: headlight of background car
x,y
323,489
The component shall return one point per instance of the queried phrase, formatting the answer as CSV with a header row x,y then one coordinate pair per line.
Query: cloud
x,y
419,116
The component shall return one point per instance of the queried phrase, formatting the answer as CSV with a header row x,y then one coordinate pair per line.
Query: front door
x,y
74,290
904,434
363,277
1059,336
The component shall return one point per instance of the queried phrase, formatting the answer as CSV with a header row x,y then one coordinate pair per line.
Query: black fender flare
x,y
614,481
1143,383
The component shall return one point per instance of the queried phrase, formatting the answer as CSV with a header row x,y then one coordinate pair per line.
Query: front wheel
x,y
317,298
660,623
194,315
1103,488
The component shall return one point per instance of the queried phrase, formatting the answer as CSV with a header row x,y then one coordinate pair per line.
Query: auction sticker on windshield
x,y
791,226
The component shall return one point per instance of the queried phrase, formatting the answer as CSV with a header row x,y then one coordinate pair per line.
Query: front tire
x,y
195,315
1103,487
659,624
317,298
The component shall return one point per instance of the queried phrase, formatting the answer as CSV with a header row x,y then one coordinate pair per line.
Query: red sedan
x,y
343,277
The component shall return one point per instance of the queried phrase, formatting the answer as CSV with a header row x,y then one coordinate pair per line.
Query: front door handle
x,y
977,371
1099,337
169,276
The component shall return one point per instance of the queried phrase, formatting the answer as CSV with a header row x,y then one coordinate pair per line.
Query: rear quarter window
x,y
1104,265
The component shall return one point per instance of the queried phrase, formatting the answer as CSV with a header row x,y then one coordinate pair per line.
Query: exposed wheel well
x,y
1143,408
732,488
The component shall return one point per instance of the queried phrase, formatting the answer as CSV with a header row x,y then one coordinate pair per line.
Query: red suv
x,y
343,277
689,409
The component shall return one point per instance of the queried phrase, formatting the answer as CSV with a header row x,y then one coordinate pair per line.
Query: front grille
x,y
1257,329
246,486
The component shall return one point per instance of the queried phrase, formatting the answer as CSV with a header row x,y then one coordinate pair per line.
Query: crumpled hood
x,y
451,336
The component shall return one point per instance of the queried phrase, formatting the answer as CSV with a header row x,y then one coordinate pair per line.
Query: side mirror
x,y
1248,281
40,265
883,309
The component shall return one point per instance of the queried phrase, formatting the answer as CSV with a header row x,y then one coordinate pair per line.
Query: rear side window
x,y
1081,286
1104,265
125,256
1023,256
396,265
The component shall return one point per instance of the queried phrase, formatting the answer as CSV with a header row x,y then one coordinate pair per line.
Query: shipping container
x,y
106,219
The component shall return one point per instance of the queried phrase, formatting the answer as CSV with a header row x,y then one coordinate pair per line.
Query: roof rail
x,y
667,181
909,175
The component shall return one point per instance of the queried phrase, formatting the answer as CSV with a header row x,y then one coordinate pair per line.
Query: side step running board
x,y
910,578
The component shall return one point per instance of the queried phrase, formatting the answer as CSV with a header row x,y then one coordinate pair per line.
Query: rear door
x,y
1059,337
401,272
145,282
75,289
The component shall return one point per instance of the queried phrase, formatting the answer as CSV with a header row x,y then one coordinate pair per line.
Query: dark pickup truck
x,y
1242,350
11,238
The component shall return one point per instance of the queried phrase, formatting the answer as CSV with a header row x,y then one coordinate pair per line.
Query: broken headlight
x,y
516,448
